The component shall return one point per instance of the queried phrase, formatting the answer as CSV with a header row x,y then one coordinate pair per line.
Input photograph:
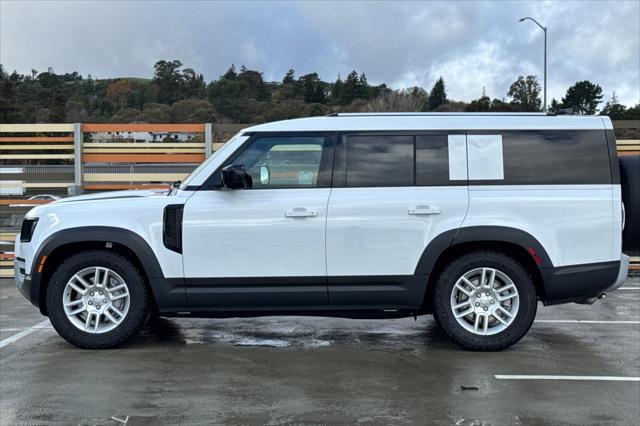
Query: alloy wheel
x,y
96,300
484,301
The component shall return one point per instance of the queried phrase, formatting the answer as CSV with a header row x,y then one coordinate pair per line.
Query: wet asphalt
x,y
310,371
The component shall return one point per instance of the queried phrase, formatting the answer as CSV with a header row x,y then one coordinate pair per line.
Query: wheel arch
x,y
69,241
519,244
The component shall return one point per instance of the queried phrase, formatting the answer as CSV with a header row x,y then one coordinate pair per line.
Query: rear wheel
x,y
485,301
97,299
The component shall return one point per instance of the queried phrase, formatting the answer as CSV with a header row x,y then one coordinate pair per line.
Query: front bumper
x,y
22,280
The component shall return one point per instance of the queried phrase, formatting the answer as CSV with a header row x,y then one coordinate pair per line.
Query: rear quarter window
x,y
555,157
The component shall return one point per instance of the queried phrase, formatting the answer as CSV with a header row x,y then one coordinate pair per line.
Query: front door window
x,y
283,162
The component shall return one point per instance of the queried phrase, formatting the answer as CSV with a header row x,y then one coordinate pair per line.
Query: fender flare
x,y
121,236
469,234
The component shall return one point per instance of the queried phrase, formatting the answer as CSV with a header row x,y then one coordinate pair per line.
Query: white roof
x,y
435,121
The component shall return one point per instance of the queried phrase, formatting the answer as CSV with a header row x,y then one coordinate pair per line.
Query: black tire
x,y
138,304
630,184
443,311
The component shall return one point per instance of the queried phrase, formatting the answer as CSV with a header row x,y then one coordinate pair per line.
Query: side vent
x,y
172,228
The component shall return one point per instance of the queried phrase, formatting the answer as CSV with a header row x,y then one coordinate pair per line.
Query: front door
x,y
262,246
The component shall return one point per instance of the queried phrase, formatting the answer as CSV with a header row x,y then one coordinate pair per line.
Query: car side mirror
x,y
234,176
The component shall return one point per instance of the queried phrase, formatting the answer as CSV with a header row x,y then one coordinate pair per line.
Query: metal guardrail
x,y
53,158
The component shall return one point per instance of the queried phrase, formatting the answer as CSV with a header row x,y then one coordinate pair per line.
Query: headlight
x,y
26,231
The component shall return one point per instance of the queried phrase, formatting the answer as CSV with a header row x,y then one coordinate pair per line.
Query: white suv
x,y
472,217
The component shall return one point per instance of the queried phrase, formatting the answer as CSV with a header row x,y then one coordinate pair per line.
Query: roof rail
x,y
420,114
562,111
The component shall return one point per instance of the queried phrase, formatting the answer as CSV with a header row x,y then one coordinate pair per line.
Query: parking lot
x,y
292,370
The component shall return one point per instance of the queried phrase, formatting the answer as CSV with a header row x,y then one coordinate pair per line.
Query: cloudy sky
x,y
471,44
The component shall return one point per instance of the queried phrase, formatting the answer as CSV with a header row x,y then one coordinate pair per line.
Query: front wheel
x,y
97,299
485,301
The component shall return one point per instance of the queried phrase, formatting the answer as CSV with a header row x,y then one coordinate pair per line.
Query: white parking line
x,y
588,321
24,333
629,288
552,377
4,330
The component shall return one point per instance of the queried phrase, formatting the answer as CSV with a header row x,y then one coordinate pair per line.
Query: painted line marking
x,y
588,321
553,377
629,288
2,330
24,333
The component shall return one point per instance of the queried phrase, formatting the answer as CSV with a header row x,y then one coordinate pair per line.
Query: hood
x,y
113,195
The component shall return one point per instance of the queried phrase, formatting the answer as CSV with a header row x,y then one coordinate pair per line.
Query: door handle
x,y
300,212
424,210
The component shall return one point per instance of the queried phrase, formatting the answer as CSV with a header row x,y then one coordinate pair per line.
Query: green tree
x,y
255,82
482,104
500,105
362,88
614,109
349,88
230,97
555,105
126,115
525,93
193,111
313,91
231,73
194,85
156,113
75,112
438,95
336,91
633,113
169,80
289,77
583,98
58,103
7,98
181,95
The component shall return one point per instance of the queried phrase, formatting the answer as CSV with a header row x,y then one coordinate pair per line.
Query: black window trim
x,y
340,163
332,173
325,172
613,156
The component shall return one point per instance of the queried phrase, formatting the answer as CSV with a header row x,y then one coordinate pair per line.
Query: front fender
x,y
103,234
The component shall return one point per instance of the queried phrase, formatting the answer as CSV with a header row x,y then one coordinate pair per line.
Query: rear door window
x,y
432,160
380,160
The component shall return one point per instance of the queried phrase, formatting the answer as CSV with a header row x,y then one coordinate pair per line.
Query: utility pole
x,y
544,106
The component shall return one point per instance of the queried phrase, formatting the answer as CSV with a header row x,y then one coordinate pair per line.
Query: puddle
x,y
247,341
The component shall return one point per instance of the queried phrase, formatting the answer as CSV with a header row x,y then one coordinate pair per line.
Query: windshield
x,y
208,161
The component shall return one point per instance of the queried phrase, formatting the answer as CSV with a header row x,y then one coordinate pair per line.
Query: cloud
x,y
471,44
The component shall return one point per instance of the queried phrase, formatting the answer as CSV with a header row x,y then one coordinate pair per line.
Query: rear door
x,y
392,194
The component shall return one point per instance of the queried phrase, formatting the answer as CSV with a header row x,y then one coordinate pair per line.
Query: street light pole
x,y
544,106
